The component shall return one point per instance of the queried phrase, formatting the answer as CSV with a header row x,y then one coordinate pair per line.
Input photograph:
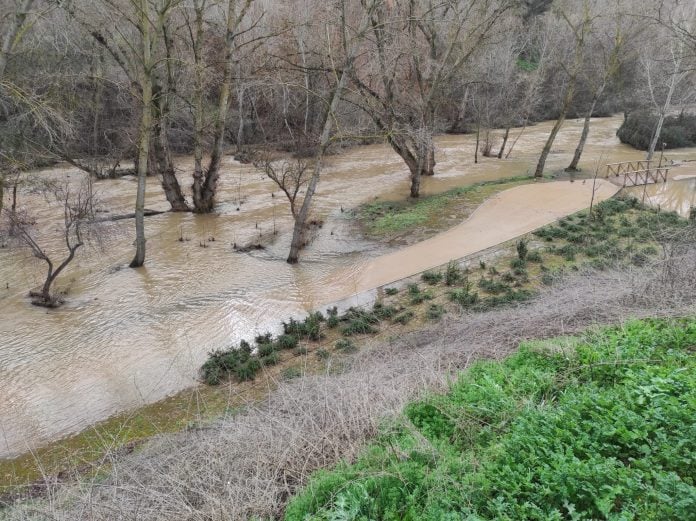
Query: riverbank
x,y
501,276
126,338
247,465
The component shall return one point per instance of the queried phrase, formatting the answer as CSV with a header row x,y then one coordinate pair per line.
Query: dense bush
x,y
593,428
677,131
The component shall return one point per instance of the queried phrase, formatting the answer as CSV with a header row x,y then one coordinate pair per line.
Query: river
x,y
129,337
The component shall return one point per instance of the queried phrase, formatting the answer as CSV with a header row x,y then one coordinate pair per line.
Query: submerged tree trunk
x,y
144,135
420,163
163,157
573,167
205,184
505,140
301,217
539,172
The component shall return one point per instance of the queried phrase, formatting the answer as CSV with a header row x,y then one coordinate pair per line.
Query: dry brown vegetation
x,y
248,465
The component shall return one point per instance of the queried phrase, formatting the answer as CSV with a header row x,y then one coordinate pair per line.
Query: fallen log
x,y
122,217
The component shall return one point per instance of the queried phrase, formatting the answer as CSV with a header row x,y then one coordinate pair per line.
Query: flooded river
x,y
129,337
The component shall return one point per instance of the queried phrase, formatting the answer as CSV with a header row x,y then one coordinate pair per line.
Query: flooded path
x,y
501,218
129,337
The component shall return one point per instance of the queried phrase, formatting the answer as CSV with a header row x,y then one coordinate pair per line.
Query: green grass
x,y
387,217
595,427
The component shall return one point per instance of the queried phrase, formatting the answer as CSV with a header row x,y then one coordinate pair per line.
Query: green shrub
x,y
431,277
292,372
322,354
535,256
246,371
547,279
518,263
358,326
464,297
492,286
453,274
639,259
435,312
482,265
263,339
383,312
287,341
271,358
522,247
404,318
418,296
265,350
391,291
345,345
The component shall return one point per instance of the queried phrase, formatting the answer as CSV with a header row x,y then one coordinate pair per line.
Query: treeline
x,y
120,86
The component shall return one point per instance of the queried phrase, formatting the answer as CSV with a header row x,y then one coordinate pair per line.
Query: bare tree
x,y
579,29
417,48
205,182
77,206
600,70
291,176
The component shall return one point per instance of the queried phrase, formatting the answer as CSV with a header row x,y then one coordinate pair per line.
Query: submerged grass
x,y
597,427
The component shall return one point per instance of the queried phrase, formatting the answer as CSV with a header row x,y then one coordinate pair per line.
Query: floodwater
x,y
129,337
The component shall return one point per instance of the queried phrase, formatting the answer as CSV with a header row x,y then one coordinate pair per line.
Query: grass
x,y
389,218
594,427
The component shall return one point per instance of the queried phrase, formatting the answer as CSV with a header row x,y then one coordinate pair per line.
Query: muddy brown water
x,y
129,337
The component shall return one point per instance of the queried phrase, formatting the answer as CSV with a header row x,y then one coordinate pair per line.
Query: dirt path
x,y
501,218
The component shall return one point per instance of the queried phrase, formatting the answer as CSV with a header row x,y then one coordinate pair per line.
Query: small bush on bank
x,y
431,277
453,274
345,345
435,312
404,318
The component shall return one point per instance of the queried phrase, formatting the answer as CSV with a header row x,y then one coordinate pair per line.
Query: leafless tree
x,y
78,209
417,47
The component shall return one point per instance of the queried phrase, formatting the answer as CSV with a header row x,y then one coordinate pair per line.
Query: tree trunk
x,y
164,89
478,141
539,172
664,111
505,140
517,138
569,94
198,94
573,167
301,218
205,185
46,288
144,136
415,164
165,167
428,159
